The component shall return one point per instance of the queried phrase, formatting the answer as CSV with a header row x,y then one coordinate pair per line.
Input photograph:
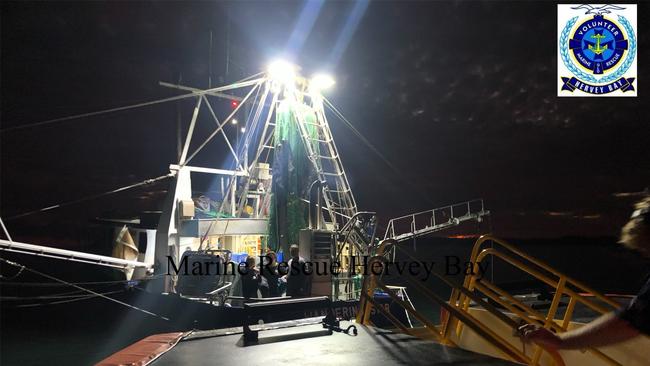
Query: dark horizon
x,y
458,96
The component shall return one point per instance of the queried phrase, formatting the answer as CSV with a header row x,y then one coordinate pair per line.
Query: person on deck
x,y
250,279
298,276
617,326
269,270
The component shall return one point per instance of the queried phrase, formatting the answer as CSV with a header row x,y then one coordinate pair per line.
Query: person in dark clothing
x,y
298,276
269,270
250,279
617,326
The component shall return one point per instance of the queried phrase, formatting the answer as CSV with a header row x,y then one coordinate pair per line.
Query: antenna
x,y
227,42
210,62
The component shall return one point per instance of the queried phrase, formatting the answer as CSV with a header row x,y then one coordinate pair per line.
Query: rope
x,y
96,113
359,135
78,298
53,284
79,200
374,149
83,289
132,106
63,295
14,276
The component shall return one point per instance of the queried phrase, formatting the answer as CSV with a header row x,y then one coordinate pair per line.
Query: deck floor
x,y
310,345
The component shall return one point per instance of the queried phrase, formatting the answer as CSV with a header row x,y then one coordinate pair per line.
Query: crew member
x,y
299,274
270,272
250,279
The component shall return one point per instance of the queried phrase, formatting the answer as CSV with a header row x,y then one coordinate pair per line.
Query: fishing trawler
x,y
287,185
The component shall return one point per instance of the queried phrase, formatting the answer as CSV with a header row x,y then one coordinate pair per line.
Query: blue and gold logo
x,y
598,51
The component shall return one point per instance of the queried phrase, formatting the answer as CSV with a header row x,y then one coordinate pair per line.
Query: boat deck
x,y
311,345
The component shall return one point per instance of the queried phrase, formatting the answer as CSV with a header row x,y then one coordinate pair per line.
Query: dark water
x,y
84,332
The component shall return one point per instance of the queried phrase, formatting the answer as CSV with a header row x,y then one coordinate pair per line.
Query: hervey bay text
x,y
452,265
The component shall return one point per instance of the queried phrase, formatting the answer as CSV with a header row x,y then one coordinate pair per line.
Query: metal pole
x,y
179,130
210,62
232,196
190,132
4,228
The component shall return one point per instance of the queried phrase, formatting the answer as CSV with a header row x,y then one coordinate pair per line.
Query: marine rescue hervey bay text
x,y
365,265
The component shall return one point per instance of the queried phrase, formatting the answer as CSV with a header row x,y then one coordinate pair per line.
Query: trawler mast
x,y
300,127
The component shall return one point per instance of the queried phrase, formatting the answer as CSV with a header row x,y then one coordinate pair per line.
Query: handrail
x,y
563,284
440,208
367,304
69,255
431,224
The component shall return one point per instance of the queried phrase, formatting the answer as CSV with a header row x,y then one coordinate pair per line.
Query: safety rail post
x,y
568,313
433,217
550,316
368,288
365,305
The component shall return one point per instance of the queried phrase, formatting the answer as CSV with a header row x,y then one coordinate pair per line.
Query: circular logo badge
x,y
598,44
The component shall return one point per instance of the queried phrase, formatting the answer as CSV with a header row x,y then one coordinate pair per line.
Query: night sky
x,y
460,97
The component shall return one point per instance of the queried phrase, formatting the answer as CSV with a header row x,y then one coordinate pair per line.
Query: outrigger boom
x,y
70,255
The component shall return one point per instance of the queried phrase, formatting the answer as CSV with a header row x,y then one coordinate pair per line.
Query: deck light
x,y
321,82
282,71
234,121
243,129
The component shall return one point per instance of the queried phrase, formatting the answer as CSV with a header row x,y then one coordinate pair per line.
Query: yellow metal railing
x,y
475,289
560,282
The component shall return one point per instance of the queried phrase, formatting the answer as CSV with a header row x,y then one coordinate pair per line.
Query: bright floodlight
x,y
321,82
234,121
282,71
243,129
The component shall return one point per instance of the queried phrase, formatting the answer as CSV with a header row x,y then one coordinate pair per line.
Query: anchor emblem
x,y
597,48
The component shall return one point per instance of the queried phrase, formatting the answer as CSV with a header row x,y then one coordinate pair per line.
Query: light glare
x,y
282,71
322,82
